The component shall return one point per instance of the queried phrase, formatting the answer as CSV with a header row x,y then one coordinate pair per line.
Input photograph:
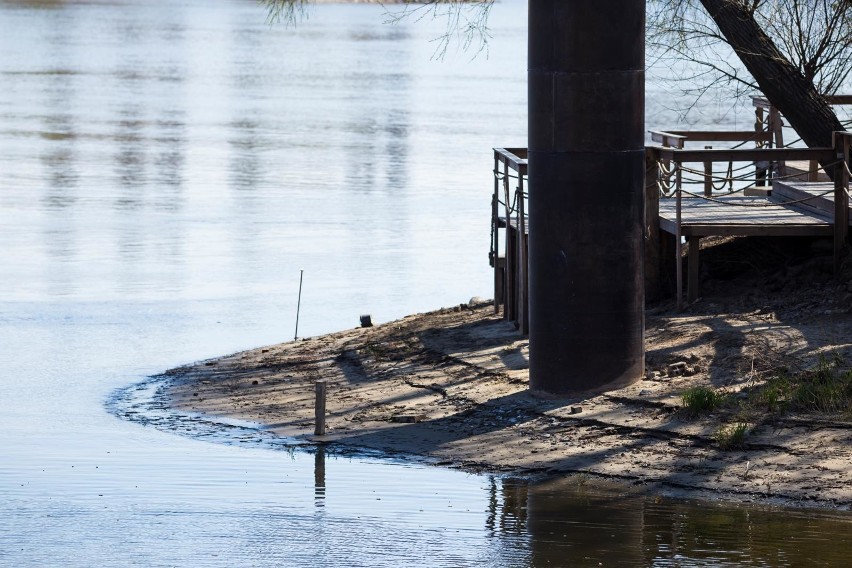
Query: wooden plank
x,y
708,179
511,275
653,271
699,218
496,223
509,272
747,154
720,230
667,266
717,135
841,200
822,193
693,272
499,283
516,158
760,102
786,191
741,210
678,237
668,139
523,280
525,296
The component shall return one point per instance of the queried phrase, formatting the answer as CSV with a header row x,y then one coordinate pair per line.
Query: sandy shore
x,y
451,386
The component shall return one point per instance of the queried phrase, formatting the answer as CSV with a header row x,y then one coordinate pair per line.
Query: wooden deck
x,y
742,216
781,214
759,205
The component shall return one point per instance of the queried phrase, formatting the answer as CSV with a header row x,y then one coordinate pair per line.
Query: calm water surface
x,y
166,169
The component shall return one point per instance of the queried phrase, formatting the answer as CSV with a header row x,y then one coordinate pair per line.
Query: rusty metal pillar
x,y
586,180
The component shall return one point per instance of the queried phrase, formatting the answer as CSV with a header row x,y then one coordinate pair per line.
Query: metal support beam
x,y
586,180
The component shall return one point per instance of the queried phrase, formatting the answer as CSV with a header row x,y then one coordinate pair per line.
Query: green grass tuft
x,y
701,400
732,436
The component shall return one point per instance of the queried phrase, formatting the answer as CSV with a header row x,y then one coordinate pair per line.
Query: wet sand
x,y
450,387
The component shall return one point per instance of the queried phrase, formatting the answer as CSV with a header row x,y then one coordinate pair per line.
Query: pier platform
x,y
739,192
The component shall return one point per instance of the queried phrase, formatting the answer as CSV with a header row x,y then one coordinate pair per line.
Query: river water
x,y
166,170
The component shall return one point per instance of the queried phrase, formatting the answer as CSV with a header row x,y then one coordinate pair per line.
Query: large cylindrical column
x,y
586,184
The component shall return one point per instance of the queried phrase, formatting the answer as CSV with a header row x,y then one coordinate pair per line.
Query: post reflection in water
x,y
319,476
507,506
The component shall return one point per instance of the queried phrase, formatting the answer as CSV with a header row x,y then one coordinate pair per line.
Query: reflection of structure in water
x,y
573,522
319,477
570,525
507,506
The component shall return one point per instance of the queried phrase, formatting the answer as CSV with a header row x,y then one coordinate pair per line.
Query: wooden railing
x,y
770,120
667,166
509,217
842,145
670,167
679,138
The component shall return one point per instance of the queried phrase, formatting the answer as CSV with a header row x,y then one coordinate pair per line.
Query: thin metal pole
x,y
298,305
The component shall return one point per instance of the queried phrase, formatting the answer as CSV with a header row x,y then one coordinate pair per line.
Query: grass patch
x,y
732,436
377,351
701,400
825,389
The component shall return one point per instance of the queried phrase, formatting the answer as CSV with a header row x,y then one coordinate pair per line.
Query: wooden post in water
x,y
586,185
319,408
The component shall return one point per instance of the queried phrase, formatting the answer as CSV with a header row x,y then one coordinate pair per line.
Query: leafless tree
x,y
793,51
790,71
814,36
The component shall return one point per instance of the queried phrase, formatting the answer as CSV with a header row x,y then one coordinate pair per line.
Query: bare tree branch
x,y
815,36
465,21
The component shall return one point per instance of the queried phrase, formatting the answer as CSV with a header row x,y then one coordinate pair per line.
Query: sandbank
x,y
451,387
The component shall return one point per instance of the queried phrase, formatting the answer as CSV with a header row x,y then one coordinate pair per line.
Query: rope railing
x,y
731,169
694,181
501,175
716,178
718,182
757,204
507,253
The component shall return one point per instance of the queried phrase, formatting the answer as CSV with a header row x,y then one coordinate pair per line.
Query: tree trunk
x,y
781,82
